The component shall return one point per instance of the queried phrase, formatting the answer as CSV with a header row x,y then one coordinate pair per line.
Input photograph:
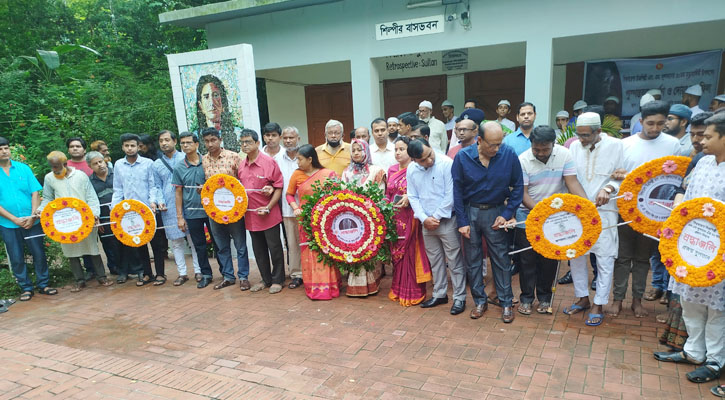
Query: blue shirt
x,y
518,141
430,190
134,181
166,193
474,183
16,192
187,174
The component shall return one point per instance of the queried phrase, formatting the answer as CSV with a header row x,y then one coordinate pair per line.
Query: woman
x,y
411,269
362,172
321,281
675,333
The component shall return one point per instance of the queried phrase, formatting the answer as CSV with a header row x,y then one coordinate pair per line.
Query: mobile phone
x,y
397,198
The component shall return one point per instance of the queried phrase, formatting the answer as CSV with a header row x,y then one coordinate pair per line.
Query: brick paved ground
x,y
184,343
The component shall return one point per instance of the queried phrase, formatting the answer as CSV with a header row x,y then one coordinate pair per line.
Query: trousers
x,y
177,247
443,246
706,328
292,234
266,244
580,276
536,272
634,252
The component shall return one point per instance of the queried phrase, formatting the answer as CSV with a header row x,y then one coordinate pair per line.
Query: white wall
x,y
286,105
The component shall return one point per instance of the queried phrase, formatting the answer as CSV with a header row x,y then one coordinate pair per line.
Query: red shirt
x,y
81,166
264,171
453,151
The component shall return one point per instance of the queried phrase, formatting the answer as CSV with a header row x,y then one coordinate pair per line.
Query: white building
x,y
321,58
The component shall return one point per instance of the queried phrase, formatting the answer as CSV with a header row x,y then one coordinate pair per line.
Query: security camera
x,y
452,17
464,15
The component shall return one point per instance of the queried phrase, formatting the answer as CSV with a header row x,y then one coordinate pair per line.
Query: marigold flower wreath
x,y
216,182
48,223
333,198
710,274
149,222
584,209
633,183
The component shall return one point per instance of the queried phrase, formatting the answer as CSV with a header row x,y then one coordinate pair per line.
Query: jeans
x,y
14,239
196,231
536,272
660,276
497,242
268,244
223,235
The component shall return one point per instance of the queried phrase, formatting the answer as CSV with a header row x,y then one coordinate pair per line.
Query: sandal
x,y
3,308
143,280
574,309
591,317
78,286
524,308
105,282
706,373
543,307
160,280
25,296
718,390
181,280
7,302
48,291
494,300
122,279
295,283
675,357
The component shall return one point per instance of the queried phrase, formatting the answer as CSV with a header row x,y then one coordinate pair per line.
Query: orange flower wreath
x,y
141,234
634,182
562,202
84,217
673,234
238,203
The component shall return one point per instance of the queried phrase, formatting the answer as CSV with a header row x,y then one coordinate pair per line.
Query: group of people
x,y
459,201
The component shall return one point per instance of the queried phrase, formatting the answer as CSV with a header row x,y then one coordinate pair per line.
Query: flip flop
x,y
704,373
718,390
3,308
574,309
591,316
7,302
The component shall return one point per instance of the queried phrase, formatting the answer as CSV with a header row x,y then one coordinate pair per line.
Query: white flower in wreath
x,y
136,240
348,257
240,199
125,206
557,203
571,253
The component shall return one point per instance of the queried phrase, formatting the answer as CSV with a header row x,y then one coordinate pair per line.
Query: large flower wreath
x,y
367,204
671,234
87,220
147,231
228,182
635,181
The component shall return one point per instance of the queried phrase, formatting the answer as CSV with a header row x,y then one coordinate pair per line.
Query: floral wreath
x,y
710,274
580,207
334,198
146,214
230,183
633,182
88,221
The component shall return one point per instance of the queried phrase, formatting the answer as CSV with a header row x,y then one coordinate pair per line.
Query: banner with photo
x,y
630,79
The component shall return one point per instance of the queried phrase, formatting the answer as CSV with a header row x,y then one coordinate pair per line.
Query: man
x,y
264,217
697,134
578,109
102,181
717,102
635,126
466,129
77,152
101,147
519,140
691,98
406,123
703,308
430,192
548,168
335,153
272,134
420,131
562,119
65,181
190,216
133,178
634,248
382,151
362,133
470,103
502,110
449,117
596,156
392,129
287,162
487,190
438,137
223,161
677,124
611,106
166,199
19,196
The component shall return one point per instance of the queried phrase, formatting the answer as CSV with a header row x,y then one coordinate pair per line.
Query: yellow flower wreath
x,y
240,201
673,237
146,232
87,220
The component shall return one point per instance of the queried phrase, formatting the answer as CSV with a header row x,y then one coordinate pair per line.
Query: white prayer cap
x,y
447,103
562,114
588,119
655,92
505,102
393,120
695,90
426,103
720,97
612,98
646,99
580,104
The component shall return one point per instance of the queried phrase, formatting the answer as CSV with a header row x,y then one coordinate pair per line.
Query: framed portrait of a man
x,y
215,88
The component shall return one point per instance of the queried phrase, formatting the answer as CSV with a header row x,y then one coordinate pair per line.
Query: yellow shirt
x,y
337,161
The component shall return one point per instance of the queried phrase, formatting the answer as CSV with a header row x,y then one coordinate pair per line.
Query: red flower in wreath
x,y
683,212
638,180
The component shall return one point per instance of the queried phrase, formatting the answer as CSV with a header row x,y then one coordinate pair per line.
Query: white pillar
x,y
365,91
457,92
539,72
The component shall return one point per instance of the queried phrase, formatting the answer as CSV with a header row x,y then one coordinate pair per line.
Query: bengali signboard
x,y
409,27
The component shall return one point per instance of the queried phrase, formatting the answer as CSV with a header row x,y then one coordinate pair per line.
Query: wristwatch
x,y
607,189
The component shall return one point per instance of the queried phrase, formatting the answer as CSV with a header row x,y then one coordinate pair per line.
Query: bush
x,y
60,273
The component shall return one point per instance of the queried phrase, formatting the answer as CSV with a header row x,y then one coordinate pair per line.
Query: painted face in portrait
x,y
210,105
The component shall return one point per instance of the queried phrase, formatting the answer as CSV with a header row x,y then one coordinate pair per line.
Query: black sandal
x,y
48,291
718,390
675,357
706,373
143,280
25,296
160,280
296,282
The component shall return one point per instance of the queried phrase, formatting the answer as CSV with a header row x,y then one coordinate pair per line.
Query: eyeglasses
x,y
186,143
461,130
247,142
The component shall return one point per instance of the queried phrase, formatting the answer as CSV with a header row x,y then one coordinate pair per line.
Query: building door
x,y
403,95
489,87
326,102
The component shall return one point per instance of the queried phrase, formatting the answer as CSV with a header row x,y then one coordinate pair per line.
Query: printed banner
x,y
630,79
409,27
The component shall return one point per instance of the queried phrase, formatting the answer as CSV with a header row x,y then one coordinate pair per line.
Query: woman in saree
x,y
321,281
362,172
411,269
